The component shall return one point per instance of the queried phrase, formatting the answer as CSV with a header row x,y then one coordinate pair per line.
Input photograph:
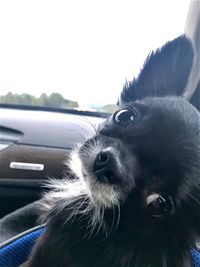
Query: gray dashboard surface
x,y
45,128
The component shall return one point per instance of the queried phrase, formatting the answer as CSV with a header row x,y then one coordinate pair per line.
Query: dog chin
x,y
101,194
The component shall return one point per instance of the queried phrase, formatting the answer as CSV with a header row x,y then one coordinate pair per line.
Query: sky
x,y
82,49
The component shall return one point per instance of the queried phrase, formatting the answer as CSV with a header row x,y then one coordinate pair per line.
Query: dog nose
x,y
104,167
102,160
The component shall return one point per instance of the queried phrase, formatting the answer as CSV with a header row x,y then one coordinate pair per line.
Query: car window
x,y
78,54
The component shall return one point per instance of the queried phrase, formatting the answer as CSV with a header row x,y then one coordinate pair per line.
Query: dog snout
x,y
104,167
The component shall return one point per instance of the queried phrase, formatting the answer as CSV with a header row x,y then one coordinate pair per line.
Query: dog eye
x,y
126,117
160,205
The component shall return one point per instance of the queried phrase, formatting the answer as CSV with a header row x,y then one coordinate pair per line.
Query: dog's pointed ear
x,y
165,72
169,70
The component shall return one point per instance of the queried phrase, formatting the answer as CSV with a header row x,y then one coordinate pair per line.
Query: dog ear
x,y
170,70
165,72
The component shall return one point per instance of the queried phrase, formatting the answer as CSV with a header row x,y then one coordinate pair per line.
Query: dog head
x,y
137,180
145,158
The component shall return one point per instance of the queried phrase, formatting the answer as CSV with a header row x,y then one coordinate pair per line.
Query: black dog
x,y
135,201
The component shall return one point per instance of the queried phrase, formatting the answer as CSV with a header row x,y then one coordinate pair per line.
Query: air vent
x,y
9,134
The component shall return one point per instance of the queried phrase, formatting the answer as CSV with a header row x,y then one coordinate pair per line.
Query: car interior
x,y
35,146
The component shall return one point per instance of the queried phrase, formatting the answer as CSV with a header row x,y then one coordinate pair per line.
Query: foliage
x,y
54,100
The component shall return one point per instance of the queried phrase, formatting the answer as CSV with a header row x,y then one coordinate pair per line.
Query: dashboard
x,y
34,146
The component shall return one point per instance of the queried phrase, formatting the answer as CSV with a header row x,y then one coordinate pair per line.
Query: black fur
x,y
165,72
160,152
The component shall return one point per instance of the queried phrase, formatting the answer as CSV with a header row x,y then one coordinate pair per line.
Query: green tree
x,y
42,100
55,100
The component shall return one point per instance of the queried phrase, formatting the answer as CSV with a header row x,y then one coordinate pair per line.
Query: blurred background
x,y
78,54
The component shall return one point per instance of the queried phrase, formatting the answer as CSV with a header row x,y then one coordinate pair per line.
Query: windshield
x,y
78,54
